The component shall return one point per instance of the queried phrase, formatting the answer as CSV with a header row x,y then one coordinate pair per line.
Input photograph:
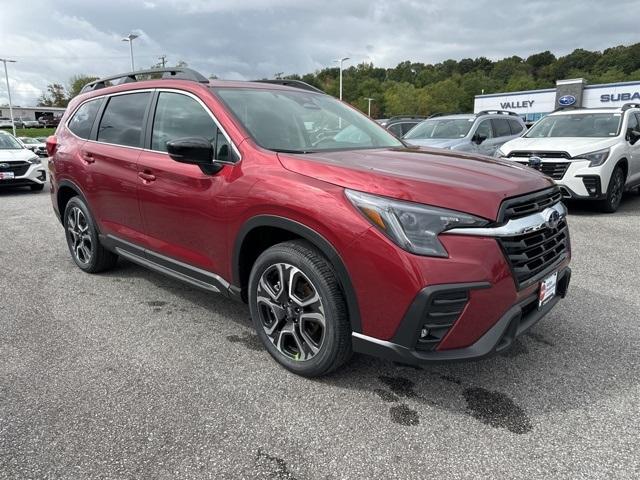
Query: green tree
x,y
76,83
55,96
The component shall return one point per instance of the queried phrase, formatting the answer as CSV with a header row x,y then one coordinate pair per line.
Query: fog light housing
x,y
592,185
442,311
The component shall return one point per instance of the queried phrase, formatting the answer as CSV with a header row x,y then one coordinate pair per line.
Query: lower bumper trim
x,y
515,322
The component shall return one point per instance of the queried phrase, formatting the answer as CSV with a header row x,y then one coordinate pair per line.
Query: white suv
x,y
19,166
592,154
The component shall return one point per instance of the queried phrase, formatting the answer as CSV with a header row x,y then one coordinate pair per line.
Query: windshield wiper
x,y
284,150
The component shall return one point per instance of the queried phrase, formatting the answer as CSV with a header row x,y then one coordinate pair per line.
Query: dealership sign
x,y
566,100
620,97
517,104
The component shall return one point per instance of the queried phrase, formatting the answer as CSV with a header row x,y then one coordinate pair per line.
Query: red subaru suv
x,y
339,236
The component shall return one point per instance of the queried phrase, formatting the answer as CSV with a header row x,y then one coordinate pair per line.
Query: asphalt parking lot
x,y
130,374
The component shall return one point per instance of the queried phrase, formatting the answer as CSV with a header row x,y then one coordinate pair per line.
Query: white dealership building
x,y
30,113
531,105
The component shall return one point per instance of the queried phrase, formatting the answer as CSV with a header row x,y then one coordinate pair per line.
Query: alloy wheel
x,y
291,311
79,236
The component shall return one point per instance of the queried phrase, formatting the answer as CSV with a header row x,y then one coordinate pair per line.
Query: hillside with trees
x,y
449,86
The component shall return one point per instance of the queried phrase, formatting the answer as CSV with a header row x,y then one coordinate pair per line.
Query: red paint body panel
x,y
195,218
441,178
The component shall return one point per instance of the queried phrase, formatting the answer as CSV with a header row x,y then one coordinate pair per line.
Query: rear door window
x,y
516,127
82,121
121,123
501,127
407,126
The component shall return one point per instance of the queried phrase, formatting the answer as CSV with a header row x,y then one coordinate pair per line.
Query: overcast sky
x,y
247,39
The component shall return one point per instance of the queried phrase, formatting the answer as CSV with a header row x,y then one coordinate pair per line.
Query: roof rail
x,y
501,112
627,106
292,83
442,114
407,117
177,73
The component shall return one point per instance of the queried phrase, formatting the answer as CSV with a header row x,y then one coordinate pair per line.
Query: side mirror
x,y
633,136
193,150
478,139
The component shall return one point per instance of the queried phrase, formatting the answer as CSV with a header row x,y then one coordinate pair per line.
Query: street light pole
x,y
130,38
370,100
340,61
6,77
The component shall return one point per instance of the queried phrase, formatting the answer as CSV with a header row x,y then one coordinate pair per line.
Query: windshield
x,y
441,128
7,142
577,125
302,122
29,141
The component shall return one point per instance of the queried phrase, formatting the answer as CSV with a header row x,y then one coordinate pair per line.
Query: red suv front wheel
x,y
299,310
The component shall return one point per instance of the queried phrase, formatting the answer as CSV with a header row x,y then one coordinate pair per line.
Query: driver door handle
x,y
146,177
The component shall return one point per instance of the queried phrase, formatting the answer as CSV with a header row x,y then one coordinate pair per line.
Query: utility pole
x,y
370,100
6,77
163,59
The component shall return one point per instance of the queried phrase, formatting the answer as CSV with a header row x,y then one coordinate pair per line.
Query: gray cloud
x,y
254,38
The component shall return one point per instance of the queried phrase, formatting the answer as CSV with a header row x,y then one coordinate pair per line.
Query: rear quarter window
x,y
82,120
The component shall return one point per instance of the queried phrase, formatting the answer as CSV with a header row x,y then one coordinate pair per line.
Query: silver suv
x,y
482,132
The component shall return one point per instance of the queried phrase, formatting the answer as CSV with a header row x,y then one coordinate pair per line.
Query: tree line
x,y
449,86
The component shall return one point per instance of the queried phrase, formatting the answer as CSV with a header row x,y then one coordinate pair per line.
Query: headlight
x,y
411,226
34,160
499,153
596,158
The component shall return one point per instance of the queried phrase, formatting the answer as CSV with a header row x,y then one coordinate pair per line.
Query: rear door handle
x,y
87,157
146,177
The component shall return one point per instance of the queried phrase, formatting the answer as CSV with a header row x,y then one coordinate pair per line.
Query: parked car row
x,y
592,154
21,122
341,237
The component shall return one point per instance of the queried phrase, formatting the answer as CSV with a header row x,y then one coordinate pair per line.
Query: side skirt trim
x,y
173,268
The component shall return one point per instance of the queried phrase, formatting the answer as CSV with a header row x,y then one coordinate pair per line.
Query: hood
x,y
21,154
447,179
434,142
574,146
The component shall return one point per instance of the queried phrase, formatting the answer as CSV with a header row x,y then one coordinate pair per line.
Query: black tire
x,y
36,187
311,269
615,190
85,239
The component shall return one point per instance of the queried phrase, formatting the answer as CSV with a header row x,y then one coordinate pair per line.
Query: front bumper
x,y
34,174
576,179
404,346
